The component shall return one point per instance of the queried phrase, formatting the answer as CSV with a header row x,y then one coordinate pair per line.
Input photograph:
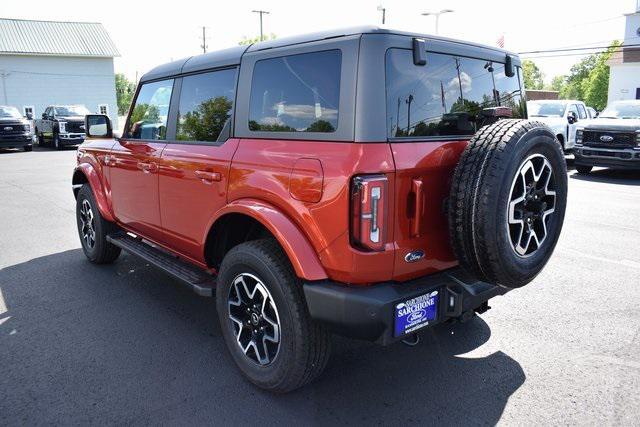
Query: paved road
x,y
85,344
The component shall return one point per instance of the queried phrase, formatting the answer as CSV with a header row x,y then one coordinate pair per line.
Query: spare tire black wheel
x,y
507,202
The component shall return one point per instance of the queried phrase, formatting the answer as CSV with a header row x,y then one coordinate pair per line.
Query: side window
x,y
297,93
148,118
447,97
572,109
206,103
582,112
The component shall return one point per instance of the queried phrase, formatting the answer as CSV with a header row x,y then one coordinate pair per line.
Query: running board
x,y
200,282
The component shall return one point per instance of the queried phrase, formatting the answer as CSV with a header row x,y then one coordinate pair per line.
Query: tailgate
x,y
423,178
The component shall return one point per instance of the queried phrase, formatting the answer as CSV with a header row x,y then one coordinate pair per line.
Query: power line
x,y
598,52
578,49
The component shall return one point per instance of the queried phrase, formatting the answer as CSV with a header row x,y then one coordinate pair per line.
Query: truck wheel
x,y
56,142
40,138
93,229
585,170
265,321
28,147
507,202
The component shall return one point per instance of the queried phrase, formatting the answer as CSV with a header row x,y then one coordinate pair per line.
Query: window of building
x,y
449,96
297,93
148,118
206,103
103,109
29,111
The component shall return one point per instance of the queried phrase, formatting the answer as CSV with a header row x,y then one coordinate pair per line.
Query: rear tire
x,y
28,147
93,229
507,202
303,345
584,170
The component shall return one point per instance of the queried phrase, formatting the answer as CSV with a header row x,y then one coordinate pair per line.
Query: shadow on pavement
x,y
124,343
610,176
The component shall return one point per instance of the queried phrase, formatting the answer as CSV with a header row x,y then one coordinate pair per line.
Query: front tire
x,y
93,229
28,148
265,321
56,142
584,170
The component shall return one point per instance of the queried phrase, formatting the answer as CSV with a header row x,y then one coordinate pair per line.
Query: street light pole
x,y
437,15
384,12
261,12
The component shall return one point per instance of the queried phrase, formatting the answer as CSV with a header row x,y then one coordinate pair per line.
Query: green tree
x,y
533,77
320,126
124,93
595,87
557,83
251,40
205,122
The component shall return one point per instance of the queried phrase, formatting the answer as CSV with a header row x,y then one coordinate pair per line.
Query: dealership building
x,y
44,63
624,78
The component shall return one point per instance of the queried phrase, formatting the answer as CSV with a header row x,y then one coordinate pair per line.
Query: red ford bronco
x,y
366,182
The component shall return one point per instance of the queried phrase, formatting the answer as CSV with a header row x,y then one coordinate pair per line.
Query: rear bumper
x,y
368,312
620,158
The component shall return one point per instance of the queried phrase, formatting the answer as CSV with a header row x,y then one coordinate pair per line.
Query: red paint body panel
x,y
303,257
193,181
133,177
91,164
261,169
426,167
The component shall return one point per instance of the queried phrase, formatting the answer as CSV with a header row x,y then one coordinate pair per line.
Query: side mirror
x,y
509,69
44,116
572,118
98,126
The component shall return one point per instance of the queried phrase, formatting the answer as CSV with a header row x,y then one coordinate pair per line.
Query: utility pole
x,y
459,81
4,76
384,12
398,118
261,12
204,40
437,15
409,101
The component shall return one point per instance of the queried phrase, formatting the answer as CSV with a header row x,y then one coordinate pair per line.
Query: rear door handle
x,y
416,187
208,177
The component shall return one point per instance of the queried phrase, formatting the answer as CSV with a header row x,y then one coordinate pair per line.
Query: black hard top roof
x,y
232,56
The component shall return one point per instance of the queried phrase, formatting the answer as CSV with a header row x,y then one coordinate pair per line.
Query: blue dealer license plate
x,y
414,313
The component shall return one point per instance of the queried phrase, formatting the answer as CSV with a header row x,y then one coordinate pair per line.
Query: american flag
x,y
500,41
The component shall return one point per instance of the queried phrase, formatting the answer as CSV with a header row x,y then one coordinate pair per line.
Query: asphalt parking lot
x,y
126,344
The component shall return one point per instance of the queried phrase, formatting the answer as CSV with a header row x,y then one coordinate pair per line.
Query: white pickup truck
x,y
562,116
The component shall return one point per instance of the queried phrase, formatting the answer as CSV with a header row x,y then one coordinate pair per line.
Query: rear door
x,y
134,161
194,167
432,111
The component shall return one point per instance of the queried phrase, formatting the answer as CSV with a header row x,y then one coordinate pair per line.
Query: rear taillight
x,y
369,212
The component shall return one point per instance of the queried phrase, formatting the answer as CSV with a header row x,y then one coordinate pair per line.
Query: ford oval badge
x,y
414,256
606,138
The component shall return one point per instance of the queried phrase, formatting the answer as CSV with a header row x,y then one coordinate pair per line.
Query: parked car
x,y
612,140
61,125
15,130
562,116
366,181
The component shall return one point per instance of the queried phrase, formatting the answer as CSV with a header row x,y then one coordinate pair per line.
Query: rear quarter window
x,y
296,93
449,96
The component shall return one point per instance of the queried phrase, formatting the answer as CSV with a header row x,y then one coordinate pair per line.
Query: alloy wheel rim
x,y
87,226
254,319
532,202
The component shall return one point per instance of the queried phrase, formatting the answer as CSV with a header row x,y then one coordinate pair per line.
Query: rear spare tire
x,y
507,202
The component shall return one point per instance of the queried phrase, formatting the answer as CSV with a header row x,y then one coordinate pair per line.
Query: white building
x,y
44,63
624,78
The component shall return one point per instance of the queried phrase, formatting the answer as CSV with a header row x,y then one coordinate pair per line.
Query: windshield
x,y
621,110
72,110
9,113
546,109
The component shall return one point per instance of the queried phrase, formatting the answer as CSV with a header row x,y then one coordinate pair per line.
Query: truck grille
x,y
74,127
13,129
591,138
